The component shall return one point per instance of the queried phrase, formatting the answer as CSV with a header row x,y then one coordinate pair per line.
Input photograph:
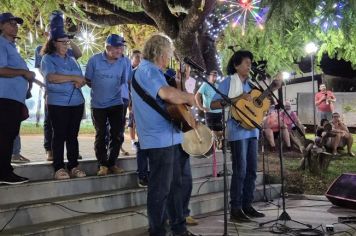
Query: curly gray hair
x,y
156,45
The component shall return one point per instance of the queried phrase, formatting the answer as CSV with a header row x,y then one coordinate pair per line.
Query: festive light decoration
x,y
240,10
329,15
88,40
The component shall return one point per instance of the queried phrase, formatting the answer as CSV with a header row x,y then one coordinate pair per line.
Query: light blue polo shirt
x,y
125,87
106,80
61,94
153,130
12,88
235,130
207,94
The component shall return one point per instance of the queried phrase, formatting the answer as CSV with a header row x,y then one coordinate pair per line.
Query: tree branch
x,y
196,15
126,16
160,13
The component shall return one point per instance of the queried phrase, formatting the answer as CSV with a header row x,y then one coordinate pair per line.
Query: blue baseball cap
x,y
115,40
58,33
7,16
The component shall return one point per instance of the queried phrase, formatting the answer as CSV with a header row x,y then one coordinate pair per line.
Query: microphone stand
x,y
226,101
284,215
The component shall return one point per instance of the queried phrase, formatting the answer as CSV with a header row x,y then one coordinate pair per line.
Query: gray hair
x,y
156,45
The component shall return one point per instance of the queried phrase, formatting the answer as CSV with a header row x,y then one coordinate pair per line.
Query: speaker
x,y
342,192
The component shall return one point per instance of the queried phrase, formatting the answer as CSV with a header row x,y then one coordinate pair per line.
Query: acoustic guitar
x,y
256,108
181,116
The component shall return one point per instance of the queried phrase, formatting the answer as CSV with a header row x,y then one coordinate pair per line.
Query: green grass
x,y
30,128
304,182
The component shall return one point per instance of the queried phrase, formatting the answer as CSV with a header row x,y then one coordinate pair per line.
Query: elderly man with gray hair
x,y
159,137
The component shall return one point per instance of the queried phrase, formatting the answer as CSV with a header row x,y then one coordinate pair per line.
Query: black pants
x,y
10,121
100,116
124,113
65,123
47,130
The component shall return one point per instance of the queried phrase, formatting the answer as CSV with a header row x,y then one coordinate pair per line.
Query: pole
x,y
312,70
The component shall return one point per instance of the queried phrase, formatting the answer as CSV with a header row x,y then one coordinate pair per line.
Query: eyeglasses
x,y
65,42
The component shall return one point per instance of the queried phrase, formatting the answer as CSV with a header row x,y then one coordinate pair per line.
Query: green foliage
x,y
288,30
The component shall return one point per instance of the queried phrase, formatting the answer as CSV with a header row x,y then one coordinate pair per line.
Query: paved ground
x,y
318,213
32,147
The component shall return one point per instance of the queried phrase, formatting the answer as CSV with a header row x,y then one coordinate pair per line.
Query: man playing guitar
x,y
243,140
159,137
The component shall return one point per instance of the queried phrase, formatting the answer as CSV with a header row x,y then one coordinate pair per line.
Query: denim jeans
x,y
17,146
244,167
165,190
100,117
66,123
187,182
47,130
142,162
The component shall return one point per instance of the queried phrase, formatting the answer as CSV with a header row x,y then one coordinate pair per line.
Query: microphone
x,y
194,65
257,70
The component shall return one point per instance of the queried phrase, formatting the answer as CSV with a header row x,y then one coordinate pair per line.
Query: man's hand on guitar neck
x,y
277,82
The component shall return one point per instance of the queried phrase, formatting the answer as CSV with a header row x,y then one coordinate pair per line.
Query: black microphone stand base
x,y
285,217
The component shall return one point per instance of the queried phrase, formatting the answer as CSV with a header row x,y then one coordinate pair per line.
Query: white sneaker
x,y
61,174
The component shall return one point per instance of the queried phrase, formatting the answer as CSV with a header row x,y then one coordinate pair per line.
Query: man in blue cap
x,y
105,74
14,83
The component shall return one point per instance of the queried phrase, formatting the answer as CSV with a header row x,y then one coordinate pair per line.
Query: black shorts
x,y
214,121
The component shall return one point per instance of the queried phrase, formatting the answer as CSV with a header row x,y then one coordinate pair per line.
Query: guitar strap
x,y
149,100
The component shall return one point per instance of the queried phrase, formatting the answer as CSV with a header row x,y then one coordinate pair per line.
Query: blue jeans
x,y
17,146
244,167
165,190
142,162
187,182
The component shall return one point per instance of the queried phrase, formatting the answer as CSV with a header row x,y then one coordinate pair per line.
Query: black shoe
x,y
251,212
237,215
80,157
13,179
186,233
142,183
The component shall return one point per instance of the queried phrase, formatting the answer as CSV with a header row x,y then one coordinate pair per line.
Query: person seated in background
x,y
271,130
341,136
292,122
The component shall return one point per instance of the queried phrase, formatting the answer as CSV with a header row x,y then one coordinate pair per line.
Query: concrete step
x,y
44,170
114,222
50,209
41,190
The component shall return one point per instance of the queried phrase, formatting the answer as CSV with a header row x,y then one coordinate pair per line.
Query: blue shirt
x,y
12,88
61,94
125,87
208,93
235,130
106,80
38,56
153,130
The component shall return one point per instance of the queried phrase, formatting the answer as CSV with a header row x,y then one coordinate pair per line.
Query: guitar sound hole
x,y
258,102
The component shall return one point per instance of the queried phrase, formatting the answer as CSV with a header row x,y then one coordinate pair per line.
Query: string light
x,y
329,15
241,10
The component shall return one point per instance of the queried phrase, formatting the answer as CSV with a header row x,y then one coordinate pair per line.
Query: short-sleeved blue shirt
x,y
235,130
106,80
153,130
61,94
208,93
12,88
38,56
125,87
